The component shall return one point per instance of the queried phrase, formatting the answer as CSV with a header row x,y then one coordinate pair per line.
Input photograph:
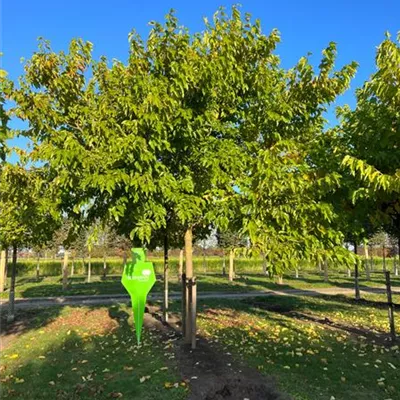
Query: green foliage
x,y
28,206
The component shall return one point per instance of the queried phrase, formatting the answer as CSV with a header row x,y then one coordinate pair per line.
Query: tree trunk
x,y
180,267
11,301
166,267
124,258
348,272
72,265
366,255
280,279
319,266
65,271
89,271
356,282
396,272
204,258
3,260
190,306
104,265
383,259
326,275
223,263
38,267
231,273
297,273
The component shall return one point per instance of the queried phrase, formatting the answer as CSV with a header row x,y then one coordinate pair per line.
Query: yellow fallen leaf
x,y
126,368
14,356
18,380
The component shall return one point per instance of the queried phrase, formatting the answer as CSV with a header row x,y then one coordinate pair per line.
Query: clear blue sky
x,y
305,25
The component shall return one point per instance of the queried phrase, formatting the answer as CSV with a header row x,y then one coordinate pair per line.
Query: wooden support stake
x,y
184,304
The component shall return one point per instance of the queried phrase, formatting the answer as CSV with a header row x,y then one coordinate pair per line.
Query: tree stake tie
x,y
138,278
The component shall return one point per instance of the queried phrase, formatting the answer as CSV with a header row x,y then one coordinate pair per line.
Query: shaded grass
x,y
309,360
87,353
52,286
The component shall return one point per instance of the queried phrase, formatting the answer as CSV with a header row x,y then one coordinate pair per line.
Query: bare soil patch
x,y
213,374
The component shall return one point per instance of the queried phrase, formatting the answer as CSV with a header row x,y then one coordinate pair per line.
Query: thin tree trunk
x,y
11,301
204,257
104,265
89,272
166,267
319,266
72,265
348,272
38,267
223,263
280,279
297,273
189,277
231,262
356,282
180,267
396,272
3,260
383,259
326,274
366,255
65,270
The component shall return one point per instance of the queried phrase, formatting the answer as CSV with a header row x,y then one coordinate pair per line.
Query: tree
x,y
372,133
28,212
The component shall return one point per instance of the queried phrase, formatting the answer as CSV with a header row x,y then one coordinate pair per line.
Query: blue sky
x,y
306,26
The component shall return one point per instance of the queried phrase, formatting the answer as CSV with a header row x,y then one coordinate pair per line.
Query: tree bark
x,y
180,267
166,270
326,274
65,270
89,272
366,255
189,278
231,273
38,267
2,270
11,301
356,282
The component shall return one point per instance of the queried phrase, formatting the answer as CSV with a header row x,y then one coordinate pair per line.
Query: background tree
x,y
28,213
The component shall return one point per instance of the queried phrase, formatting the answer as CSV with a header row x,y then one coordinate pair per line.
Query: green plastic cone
x,y
138,278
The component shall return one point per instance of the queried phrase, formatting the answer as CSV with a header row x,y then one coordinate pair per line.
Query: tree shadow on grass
x,y
95,357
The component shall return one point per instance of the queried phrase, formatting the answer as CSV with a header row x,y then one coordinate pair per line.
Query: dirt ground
x,y
213,374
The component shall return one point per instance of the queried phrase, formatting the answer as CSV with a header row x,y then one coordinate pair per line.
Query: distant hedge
x,y
114,266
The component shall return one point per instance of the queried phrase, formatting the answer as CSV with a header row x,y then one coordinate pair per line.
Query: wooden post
x,y
166,267
38,266
193,311
184,304
2,270
390,306
11,301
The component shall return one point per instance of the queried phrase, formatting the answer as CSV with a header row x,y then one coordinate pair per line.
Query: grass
x,y
86,353
309,360
27,286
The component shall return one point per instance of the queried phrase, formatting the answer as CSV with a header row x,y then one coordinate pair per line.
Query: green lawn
x,y
309,360
51,286
86,353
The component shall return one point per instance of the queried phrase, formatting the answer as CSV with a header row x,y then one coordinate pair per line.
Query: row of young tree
x,y
201,131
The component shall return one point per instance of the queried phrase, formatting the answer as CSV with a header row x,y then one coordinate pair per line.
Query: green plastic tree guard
x,y
138,278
